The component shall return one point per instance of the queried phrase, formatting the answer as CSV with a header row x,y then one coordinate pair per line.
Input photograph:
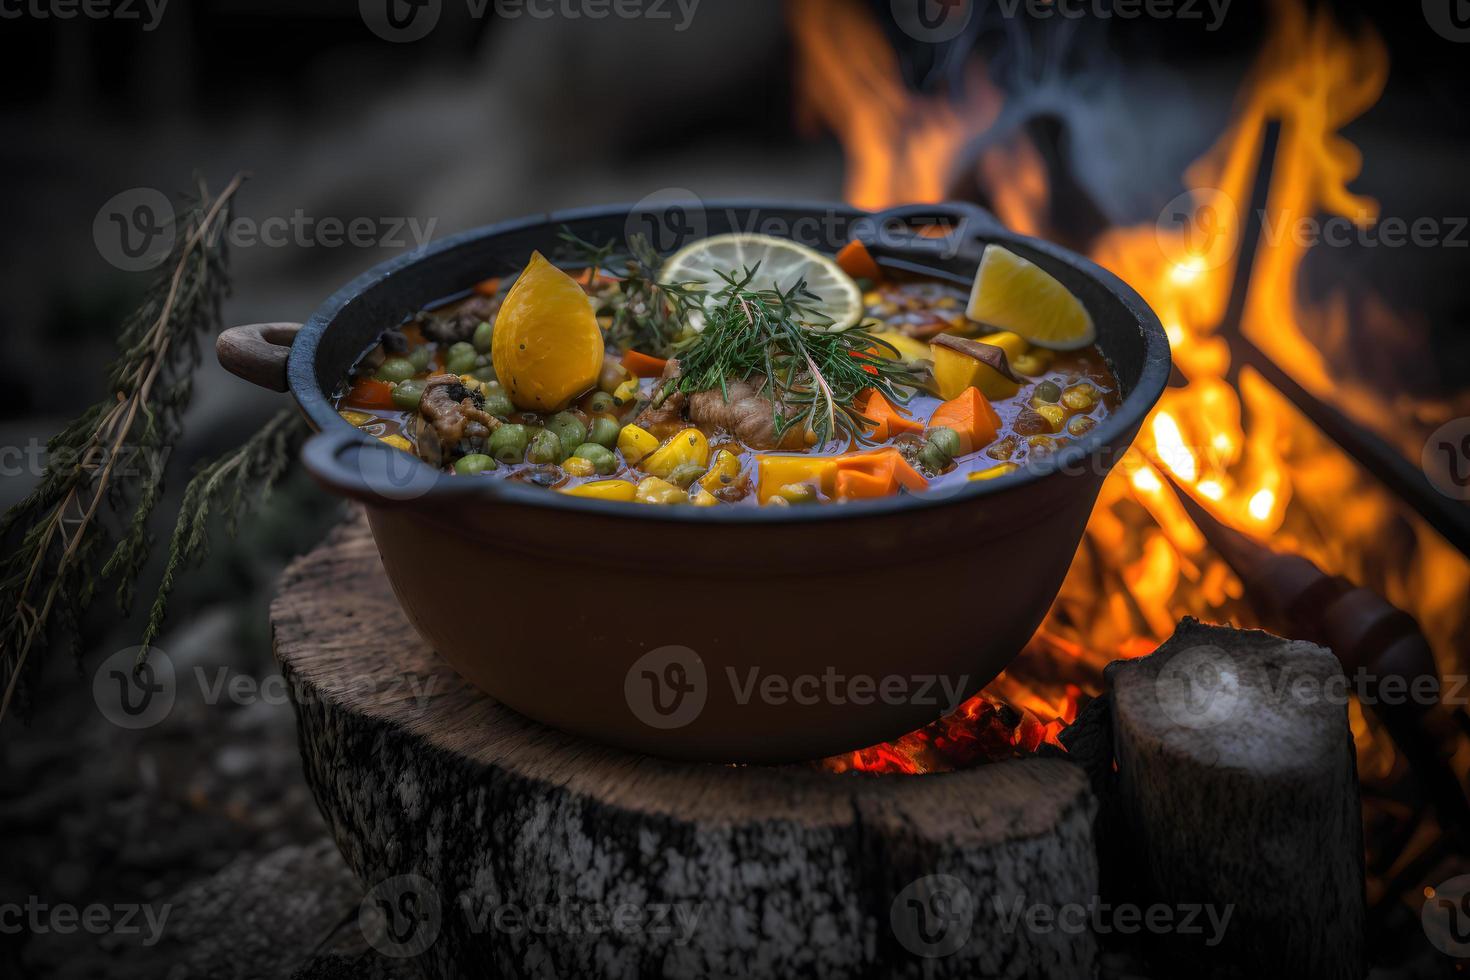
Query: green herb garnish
x,y
812,373
648,315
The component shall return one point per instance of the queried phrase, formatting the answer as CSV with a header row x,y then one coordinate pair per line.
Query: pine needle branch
x,y
48,578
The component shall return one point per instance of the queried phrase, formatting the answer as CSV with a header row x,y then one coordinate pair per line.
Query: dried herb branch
x,y
49,577
648,315
232,484
812,373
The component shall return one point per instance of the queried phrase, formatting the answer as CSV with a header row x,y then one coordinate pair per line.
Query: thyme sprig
x,y
49,577
649,316
813,373
231,485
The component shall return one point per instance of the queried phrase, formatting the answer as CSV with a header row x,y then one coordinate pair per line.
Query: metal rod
x,y
1448,516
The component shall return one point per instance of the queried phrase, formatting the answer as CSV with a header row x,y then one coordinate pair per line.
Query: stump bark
x,y
491,845
1237,788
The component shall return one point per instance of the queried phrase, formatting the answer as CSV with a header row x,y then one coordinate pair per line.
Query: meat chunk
x,y
666,418
459,323
748,414
452,420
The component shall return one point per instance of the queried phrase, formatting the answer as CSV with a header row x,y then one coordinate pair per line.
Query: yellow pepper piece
x,y
626,393
909,349
547,348
776,472
700,497
652,490
724,473
636,443
619,490
1012,343
398,442
357,418
1055,415
955,371
995,471
687,446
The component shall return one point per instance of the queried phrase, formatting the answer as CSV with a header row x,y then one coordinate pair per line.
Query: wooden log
x,y
492,846
1237,789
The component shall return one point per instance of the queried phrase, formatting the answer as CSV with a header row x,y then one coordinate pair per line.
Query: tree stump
x,y
1237,788
493,846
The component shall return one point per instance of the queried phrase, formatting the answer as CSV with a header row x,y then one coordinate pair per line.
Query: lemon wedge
x,y
1013,294
547,347
782,264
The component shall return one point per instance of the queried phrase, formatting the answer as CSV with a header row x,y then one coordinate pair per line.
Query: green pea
x,y
408,394
1049,391
569,429
460,359
545,447
396,369
508,443
604,432
497,402
474,463
685,474
599,456
600,403
934,458
484,334
947,440
486,373
419,357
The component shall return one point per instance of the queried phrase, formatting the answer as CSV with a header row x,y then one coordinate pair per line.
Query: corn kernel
x,y
724,472
652,490
700,497
357,418
1029,365
1079,425
635,443
398,442
627,392
1080,398
619,490
577,466
687,446
994,472
1043,445
1055,416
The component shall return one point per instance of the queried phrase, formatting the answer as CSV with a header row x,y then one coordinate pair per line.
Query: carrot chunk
x,y
370,393
857,261
643,365
887,466
971,415
889,420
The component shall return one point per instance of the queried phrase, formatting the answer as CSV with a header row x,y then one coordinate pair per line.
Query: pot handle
x,y
258,352
968,223
353,464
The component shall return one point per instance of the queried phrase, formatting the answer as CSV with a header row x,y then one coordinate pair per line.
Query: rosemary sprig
x,y
49,577
813,373
254,468
649,316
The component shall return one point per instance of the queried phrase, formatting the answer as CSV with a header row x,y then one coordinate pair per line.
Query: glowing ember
x,y
1242,448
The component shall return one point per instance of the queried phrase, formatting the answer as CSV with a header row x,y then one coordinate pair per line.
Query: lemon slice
x,y
1013,294
782,264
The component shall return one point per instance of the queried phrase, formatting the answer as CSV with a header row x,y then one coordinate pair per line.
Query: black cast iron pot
x,y
721,634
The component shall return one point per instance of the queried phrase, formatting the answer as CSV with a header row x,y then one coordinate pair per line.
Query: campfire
x,y
1224,434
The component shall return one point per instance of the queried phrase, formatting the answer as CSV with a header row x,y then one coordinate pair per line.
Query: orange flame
x,y
1244,450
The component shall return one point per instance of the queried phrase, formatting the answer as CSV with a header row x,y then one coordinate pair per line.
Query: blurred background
x,y
1085,129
